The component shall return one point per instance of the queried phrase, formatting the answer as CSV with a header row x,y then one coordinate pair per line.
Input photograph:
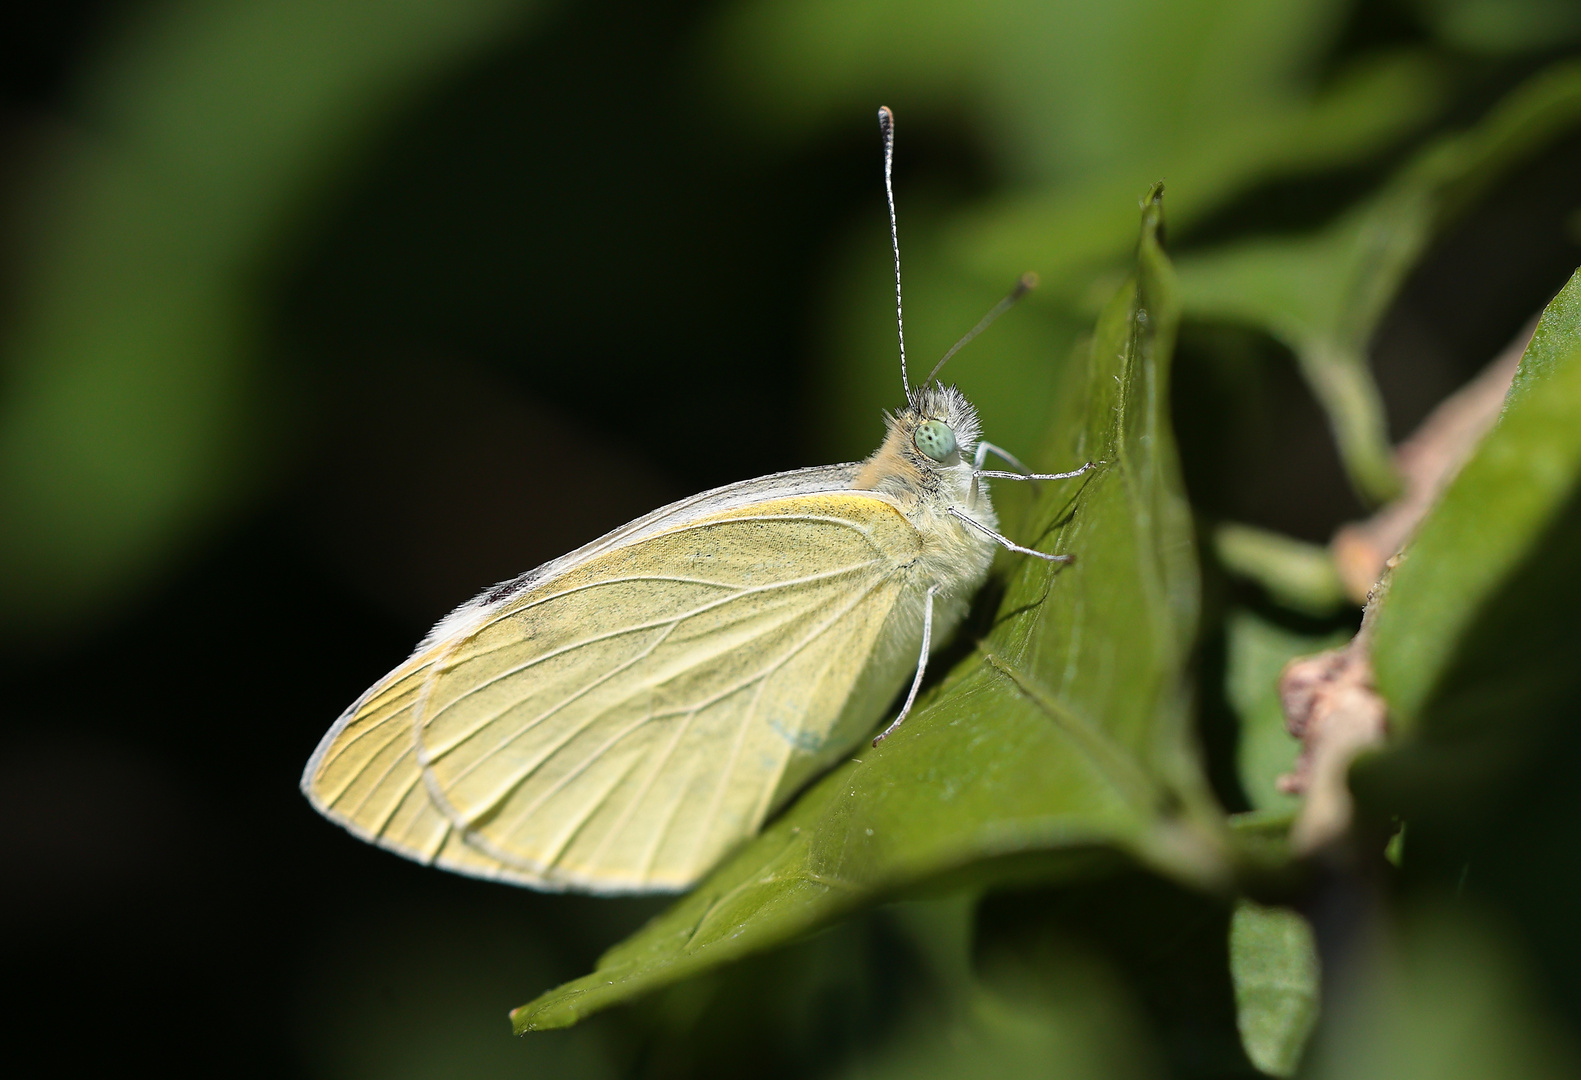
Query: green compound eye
x,y
935,439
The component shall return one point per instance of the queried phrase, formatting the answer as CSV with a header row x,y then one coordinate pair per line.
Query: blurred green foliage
x,y
1323,296
131,413
280,258
1441,996
1299,575
1273,958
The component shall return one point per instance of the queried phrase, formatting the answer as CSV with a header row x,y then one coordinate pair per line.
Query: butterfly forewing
x,y
620,725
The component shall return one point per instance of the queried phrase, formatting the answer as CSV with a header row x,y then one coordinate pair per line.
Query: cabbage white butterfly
x,y
620,718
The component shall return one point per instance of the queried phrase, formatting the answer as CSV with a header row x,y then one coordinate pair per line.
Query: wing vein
x,y
511,785
865,533
506,611
735,756
341,747
467,820
671,623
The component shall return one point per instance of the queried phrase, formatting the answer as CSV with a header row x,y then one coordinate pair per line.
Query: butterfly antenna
x,y
1028,282
886,123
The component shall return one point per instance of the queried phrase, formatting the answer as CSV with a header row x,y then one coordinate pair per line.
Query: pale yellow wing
x,y
619,726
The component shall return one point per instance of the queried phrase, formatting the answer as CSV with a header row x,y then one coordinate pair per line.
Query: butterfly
x,y
619,718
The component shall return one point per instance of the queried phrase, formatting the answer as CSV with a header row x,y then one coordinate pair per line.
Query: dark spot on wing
x,y
507,589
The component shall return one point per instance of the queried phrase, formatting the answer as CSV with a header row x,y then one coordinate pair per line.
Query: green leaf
x,y
1059,745
1273,960
1324,294
1258,652
1513,499
131,418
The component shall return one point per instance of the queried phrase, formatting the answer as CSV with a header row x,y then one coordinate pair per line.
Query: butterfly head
x,y
935,432
939,425
929,447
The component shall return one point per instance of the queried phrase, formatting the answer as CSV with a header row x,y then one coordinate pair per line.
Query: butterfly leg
x,y
922,666
984,448
1006,542
1037,476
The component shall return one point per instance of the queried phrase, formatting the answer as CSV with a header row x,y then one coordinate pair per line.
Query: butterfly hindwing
x,y
619,725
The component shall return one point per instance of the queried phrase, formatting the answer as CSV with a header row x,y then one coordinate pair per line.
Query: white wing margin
x,y
618,724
